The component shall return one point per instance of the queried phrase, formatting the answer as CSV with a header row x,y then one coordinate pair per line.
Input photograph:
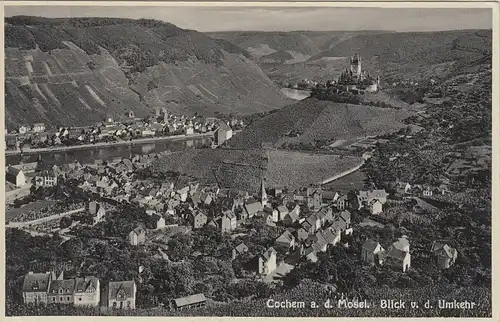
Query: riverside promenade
x,y
105,144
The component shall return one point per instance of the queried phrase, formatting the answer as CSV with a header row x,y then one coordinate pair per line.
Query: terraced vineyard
x,y
312,119
77,71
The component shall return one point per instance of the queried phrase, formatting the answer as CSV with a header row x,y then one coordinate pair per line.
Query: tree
x,y
179,246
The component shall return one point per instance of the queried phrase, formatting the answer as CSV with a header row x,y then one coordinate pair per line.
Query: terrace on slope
x,y
312,119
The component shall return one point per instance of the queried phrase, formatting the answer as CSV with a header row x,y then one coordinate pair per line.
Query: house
x,y
137,236
370,250
365,197
252,208
267,262
159,221
329,197
310,254
228,222
61,291
223,133
35,287
87,291
398,254
445,255
273,212
342,202
427,192
397,258
276,191
282,212
239,250
403,187
15,176
183,193
198,219
292,217
38,127
375,207
188,130
285,241
46,178
269,220
122,294
314,198
97,211
191,301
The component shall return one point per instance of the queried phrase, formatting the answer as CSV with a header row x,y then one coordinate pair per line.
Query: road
x,y
44,219
343,174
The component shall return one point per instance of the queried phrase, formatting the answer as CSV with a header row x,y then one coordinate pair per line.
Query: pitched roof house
x,y
370,250
122,294
196,300
35,287
253,208
61,291
87,291
445,255
137,236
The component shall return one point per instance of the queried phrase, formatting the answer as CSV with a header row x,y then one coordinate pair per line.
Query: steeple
x,y
262,193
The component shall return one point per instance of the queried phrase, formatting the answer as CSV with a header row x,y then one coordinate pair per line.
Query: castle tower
x,y
356,65
262,193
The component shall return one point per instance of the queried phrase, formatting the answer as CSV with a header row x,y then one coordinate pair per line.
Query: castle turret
x,y
356,65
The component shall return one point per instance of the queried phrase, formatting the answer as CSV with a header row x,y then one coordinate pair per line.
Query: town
x,y
306,222
163,124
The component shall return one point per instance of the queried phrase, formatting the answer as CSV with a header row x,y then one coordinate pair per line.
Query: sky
x,y
207,19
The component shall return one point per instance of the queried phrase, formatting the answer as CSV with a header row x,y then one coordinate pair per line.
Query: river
x,y
108,152
295,94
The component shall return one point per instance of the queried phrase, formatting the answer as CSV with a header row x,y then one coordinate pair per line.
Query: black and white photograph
x,y
249,160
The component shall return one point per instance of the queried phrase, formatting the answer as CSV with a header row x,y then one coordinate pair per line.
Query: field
x,y
31,207
243,169
351,181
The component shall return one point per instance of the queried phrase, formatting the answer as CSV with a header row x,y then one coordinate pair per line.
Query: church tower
x,y
356,65
262,193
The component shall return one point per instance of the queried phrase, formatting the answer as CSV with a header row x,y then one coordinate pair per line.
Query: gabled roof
x,y
283,209
253,208
241,248
346,216
13,171
67,286
269,252
139,230
370,245
286,237
37,282
189,300
396,254
401,244
83,284
126,286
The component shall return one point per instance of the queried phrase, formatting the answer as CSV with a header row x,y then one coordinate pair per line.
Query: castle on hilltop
x,y
357,80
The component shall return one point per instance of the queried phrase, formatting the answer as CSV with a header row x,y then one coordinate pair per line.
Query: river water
x,y
109,152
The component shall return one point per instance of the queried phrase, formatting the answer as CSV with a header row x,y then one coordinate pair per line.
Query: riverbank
x,y
106,144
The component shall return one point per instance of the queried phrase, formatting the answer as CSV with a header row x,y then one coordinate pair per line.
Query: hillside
x,y
300,45
314,120
75,71
390,54
244,169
